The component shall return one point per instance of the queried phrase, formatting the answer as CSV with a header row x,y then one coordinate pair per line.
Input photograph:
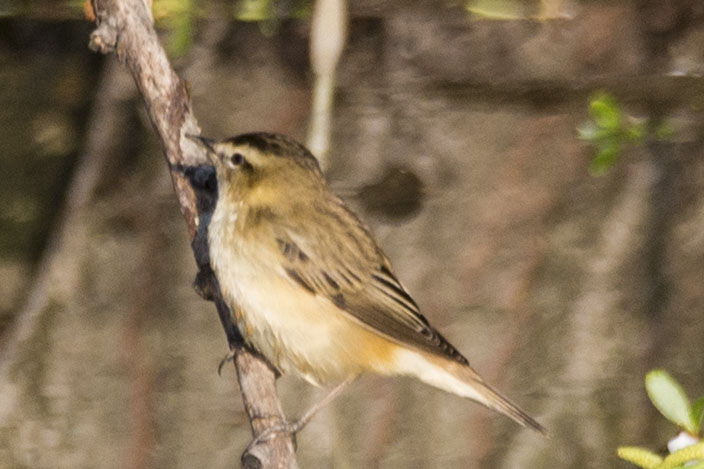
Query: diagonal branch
x,y
125,27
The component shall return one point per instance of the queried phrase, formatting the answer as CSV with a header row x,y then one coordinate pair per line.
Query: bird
x,y
308,286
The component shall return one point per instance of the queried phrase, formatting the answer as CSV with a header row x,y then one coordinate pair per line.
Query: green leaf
x,y
670,399
255,10
497,9
605,158
182,30
605,112
690,465
681,456
177,17
698,414
641,457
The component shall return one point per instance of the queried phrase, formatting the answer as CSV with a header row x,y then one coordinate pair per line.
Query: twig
x,y
125,27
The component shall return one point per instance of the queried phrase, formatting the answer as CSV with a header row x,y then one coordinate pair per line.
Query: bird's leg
x,y
295,427
310,413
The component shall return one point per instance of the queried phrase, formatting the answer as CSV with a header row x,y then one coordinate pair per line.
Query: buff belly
x,y
297,331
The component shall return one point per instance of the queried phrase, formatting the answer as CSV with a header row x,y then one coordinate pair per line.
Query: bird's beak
x,y
208,143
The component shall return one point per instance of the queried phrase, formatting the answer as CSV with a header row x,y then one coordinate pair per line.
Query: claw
x,y
229,357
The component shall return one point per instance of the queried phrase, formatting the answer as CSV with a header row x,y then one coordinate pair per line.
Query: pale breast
x,y
297,331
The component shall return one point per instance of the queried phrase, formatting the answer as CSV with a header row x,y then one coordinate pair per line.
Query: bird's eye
x,y
237,159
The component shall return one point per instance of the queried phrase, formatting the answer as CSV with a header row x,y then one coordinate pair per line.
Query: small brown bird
x,y
309,287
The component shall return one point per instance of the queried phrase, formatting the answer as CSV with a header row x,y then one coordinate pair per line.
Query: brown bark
x,y
125,27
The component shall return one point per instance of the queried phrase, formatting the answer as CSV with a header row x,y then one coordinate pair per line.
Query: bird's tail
x,y
462,380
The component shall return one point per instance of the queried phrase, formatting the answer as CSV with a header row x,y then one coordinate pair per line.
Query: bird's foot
x,y
295,427
283,429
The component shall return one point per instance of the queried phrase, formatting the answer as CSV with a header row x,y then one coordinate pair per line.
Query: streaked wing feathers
x,y
358,278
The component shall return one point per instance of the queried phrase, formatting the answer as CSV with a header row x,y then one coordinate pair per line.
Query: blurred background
x,y
534,169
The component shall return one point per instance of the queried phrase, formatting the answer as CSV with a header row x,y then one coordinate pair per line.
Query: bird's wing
x,y
346,266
